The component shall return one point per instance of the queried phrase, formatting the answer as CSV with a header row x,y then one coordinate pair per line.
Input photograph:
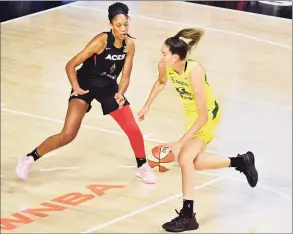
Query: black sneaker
x,y
249,169
181,223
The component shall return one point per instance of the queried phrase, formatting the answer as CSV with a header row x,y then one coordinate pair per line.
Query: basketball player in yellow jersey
x,y
202,113
183,86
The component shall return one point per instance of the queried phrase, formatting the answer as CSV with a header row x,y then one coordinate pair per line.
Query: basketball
x,y
162,159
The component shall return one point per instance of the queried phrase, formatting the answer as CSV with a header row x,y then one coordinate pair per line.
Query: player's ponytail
x,y
184,41
192,34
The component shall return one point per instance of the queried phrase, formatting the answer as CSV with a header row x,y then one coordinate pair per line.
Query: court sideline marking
x,y
50,154
285,195
193,25
220,177
74,4
128,215
96,128
59,168
288,196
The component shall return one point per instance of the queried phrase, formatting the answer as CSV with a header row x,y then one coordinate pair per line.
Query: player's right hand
x,y
78,91
141,114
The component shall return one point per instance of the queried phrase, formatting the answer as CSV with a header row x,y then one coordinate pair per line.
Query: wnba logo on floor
x,y
58,204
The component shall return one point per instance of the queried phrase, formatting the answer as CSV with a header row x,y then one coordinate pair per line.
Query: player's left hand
x,y
173,146
120,99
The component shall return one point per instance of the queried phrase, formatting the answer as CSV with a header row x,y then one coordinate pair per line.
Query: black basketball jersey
x,y
103,69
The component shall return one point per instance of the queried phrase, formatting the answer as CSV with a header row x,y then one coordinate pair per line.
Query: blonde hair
x,y
192,34
184,41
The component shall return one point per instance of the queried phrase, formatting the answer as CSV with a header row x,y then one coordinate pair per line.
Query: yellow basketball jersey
x,y
183,86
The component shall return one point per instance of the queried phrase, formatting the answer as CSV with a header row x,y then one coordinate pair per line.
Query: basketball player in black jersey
x,y
104,58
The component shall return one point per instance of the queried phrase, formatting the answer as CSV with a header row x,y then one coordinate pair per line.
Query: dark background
x,y
251,6
14,9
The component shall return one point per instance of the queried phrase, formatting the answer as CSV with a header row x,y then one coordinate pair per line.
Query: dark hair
x,y
116,9
178,46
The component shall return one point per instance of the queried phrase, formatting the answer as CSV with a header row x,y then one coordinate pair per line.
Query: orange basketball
x,y
162,159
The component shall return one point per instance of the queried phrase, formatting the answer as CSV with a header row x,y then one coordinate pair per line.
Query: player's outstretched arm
x,y
157,88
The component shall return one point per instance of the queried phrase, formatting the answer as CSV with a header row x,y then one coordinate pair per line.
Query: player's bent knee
x,y
184,162
67,137
198,164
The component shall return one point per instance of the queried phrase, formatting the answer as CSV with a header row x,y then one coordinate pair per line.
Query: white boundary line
x,y
73,4
276,191
193,25
265,187
59,168
285,195
60,121
148,135
95,128
50,154
244,181
131,214
181,2
98,227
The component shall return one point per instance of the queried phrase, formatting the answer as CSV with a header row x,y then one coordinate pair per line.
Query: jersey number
x,y
182,91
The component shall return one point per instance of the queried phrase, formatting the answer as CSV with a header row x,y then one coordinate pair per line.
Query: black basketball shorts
x,y
104,95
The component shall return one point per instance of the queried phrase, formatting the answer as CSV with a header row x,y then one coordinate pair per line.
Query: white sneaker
x,y
146,173
24,165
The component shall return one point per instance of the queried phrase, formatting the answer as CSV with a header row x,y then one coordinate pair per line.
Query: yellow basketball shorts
x,y
206,132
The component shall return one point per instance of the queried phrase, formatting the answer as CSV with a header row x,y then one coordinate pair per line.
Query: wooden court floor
x,y
89,185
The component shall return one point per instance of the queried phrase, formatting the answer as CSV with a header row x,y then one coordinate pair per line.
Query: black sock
x,y
140,161
187,207
34,154
237,162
